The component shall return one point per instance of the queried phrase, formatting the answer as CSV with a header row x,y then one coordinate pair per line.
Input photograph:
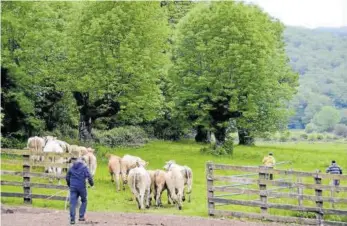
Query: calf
x,y
91,161
159,185
139,183
114,169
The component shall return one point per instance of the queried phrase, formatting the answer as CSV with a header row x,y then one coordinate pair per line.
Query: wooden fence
x,y
307,198
23,158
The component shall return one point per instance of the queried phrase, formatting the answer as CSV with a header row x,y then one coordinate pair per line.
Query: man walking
x,y
76,180
334,169
269,161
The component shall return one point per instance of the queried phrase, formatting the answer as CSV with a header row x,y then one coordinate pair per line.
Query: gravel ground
x,y
26,216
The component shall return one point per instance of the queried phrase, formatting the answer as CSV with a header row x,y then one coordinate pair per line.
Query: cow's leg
x,y
111,174
142,199
117,181
158,195
148,196
179,198
138,201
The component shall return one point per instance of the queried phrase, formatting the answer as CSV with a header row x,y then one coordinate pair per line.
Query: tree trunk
x,y
244,137
85,127
201,135
91,111
220,135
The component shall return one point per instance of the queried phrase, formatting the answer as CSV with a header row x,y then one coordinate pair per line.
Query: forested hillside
x,y
320,57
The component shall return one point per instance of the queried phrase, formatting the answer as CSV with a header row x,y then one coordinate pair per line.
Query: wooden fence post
x,y
319,201
300,191
26,180
262,187
209,178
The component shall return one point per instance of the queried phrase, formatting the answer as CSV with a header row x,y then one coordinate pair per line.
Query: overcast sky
x,y
307,13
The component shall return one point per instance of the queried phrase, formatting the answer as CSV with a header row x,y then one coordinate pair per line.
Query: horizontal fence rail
x,y
23,158
241,186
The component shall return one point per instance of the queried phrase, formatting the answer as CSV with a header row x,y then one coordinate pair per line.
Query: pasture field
x,y
104,197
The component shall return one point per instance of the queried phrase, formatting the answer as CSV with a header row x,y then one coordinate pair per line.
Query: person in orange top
x,y
269,161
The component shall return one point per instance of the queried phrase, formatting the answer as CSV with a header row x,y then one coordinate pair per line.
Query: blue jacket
x,y
77,175
334,169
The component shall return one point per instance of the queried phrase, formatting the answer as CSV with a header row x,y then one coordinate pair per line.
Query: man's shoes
x,y
82,219
72,221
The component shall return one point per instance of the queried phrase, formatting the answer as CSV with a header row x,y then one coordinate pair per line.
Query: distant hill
x,y
320,57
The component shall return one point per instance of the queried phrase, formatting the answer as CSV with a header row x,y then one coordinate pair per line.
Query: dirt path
x,y
26,216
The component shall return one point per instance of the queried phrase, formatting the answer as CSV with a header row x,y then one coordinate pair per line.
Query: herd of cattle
x,y
130,170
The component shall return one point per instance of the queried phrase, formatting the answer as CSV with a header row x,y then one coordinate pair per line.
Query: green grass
x,y
104,197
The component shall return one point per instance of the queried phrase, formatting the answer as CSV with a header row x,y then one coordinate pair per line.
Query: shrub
x,y
340,130
283,138
7,142
121,136
320,137
304,136
226,149
310,128
294,138
312,137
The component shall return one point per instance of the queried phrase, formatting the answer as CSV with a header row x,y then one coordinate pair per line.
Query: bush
x,y
121,136
320,137
283,138
226,149
312,137
310,128
7,142
304,136
340,130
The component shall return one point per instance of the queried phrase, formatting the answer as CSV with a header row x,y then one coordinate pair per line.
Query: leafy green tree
x,y
229,58
116,57
327,118
31,52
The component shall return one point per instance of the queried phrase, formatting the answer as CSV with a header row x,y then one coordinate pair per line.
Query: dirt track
x,y
26,216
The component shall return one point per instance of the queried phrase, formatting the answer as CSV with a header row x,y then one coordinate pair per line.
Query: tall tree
x,y
116,59
230,60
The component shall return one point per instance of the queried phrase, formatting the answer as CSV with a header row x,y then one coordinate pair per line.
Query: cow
x,y
114,168
187,174
90,160
175,184
36,144
159,185
53,146
128,162
139,184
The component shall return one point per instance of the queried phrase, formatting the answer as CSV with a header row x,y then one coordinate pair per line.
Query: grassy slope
x,y
103,197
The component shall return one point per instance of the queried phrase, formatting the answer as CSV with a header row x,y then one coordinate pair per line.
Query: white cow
x,y
139,183
53,146
187,175
175,185
36,144
128,162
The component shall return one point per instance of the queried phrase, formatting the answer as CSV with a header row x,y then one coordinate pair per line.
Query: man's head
x,y
271,153
333,161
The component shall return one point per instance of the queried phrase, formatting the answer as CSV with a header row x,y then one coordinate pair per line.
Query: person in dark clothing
x,y
76,180
334,169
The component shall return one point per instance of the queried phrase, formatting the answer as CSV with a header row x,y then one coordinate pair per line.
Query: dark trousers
x,y
74,194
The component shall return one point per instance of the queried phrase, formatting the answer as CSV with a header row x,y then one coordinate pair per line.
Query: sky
x,y
306,13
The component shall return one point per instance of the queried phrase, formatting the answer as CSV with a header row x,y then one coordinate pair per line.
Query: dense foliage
x,y
168,67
